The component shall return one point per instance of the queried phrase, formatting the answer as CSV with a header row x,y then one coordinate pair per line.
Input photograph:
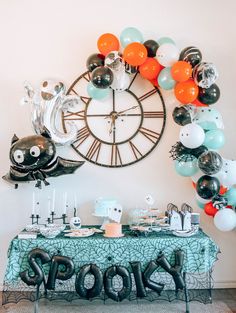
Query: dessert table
x,y
200,253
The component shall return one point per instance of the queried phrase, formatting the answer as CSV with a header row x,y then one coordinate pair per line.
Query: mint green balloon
x,y
97,93
214,139
129,35
165,79
200,205
231,196
163,40
186,169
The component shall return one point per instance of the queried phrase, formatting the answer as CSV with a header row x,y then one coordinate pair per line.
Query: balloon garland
x,y
194,87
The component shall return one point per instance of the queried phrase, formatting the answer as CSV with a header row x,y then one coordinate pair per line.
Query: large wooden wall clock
x,y
120,130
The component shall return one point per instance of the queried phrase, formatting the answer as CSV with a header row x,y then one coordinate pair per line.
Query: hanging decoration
x,y
32,159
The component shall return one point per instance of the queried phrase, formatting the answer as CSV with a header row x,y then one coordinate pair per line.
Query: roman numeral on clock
x,y
147,95
135,150
149,134
80,115
94,150
83,134
153,114
115,156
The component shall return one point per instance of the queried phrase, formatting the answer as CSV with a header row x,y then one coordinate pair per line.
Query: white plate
x,y
79,234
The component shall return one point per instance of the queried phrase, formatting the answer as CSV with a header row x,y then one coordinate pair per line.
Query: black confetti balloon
x,y
95,60
151,46
198,151
210,162
219,202
102,77
181,116
191,55
209,95
207,187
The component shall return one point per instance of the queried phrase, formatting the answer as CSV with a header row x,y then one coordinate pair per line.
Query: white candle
x,y
33,204
65,203
49,207
37,204
53,200
75,201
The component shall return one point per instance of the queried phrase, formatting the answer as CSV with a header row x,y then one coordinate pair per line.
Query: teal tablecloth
x,y
200,251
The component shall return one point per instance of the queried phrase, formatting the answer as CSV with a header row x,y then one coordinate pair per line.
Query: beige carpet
x,y
124,307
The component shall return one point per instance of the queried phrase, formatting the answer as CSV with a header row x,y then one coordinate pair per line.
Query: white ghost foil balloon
x,y
115,213
47,105
121,80
75,222
205,74
208,118
149,200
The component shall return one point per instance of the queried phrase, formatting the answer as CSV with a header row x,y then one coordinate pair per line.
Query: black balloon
x,y
176,270
56,273
191,55
150,269
137,272
181,116
207,187
102,77
198,151
108,286
95,60
151,46
32,152
209,95
32,159
89,293
39,276
210,162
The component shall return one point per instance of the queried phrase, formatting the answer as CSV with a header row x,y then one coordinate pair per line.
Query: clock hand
x,y
132,108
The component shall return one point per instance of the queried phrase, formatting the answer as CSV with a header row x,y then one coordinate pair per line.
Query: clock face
x,y
121,129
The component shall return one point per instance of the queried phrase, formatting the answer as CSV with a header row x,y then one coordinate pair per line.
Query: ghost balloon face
x,y
75,223
208,119
50,89
192,136
115,213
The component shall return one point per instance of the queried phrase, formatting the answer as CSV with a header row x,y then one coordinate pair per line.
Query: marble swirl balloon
x,y
205,74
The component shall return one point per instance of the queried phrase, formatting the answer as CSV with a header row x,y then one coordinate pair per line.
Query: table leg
x,y
186,294
36,302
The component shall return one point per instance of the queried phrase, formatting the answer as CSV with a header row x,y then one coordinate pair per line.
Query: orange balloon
x,y
135,54
181,71
150,68
194,184
222,190
210,209
107,43
186,92
154,82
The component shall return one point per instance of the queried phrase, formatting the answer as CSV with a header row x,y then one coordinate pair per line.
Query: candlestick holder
x,y
52,218
34,219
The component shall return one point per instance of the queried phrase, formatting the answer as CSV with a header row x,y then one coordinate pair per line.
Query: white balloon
x,y
191,136
225,219
167,54
227,174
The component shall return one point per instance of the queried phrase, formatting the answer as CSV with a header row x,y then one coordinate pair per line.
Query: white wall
x,y
41,39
